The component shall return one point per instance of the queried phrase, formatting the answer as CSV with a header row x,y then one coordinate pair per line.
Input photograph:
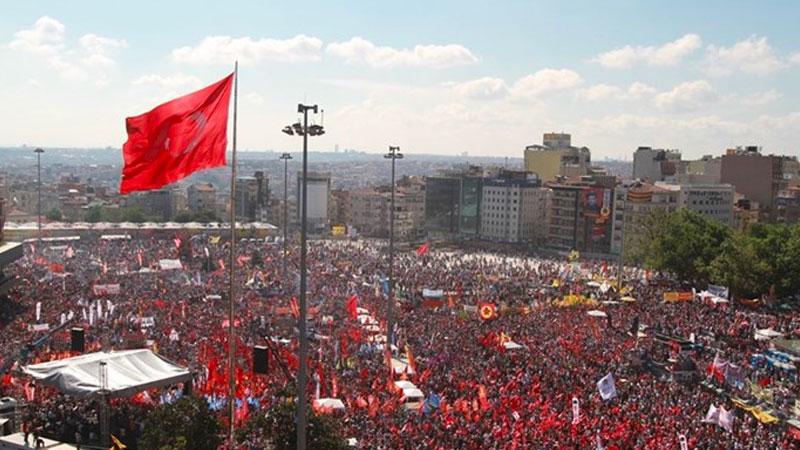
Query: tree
x,y
94,214
761,260
639,236
133,214
53,214
185,424
685,243
739,267
277,426
183,217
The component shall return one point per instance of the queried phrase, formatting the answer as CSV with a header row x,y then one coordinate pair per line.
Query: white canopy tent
x,y
128,372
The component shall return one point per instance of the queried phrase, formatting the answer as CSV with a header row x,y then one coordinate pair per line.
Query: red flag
x,y
352,305
483,398
295,308
411,361
177,138
423,249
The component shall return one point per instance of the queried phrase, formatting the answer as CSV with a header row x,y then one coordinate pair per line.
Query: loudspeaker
x,y
78,343
260,363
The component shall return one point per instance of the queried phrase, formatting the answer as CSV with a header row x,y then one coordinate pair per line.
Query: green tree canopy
x,y
185,424
685,243
94,214
53,214
764,259
277,426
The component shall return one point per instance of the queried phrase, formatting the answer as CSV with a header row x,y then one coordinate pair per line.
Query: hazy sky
x,y
486,77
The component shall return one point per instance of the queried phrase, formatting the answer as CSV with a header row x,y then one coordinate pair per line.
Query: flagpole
x,y
231,264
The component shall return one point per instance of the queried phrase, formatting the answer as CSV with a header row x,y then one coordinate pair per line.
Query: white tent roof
x,y
413,393
511,345
404,384
597,313
128,372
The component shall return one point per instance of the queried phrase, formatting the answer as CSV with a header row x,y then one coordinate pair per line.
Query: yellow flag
x,y
116,444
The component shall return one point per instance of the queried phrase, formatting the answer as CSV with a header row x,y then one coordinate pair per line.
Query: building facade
x,y
252,196
712,200
453,201
515,209
651,164
557,157
202,197
319,191
580,214
756,176
633,203
371,210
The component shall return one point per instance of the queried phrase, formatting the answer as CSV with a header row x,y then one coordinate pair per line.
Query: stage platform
x,y
17,441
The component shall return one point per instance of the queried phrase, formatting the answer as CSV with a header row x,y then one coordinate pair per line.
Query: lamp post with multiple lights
x,y
394,154
305,131
285,157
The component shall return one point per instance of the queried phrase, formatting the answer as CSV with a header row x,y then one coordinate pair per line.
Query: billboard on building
x,y
593,201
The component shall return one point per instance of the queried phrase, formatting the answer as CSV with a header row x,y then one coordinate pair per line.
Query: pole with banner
x,y
232,265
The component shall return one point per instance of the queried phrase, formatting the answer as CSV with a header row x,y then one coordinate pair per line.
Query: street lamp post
x,y
285,157
39,152
303,130
394,154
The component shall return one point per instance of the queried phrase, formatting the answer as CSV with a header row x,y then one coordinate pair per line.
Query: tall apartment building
x,y
580,214
788,205
706,170
341,207
319,192
634,202
156,203
371,210
202,197
453,201
756,176
515,208
556,156
410,208
651,164
712,200
251,197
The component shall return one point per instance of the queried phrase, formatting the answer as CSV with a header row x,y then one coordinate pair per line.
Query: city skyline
x,y
610,78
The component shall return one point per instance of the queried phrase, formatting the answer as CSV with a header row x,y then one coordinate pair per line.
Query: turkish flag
x,y
422,250
177,138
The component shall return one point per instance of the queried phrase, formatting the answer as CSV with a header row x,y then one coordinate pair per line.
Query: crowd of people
x,y
479,395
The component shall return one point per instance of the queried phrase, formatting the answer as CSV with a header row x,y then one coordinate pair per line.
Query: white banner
x,y
38,311
432,293
39,327
606,387
105,289
170,264
576,410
